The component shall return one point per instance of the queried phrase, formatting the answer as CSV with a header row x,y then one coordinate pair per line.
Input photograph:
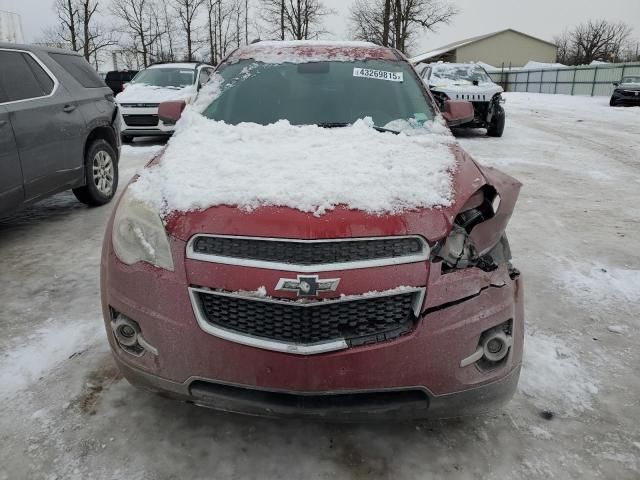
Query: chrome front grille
x,y
307,327
308,255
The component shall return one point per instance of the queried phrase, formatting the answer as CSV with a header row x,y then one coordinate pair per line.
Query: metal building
x,y
506,47
10,27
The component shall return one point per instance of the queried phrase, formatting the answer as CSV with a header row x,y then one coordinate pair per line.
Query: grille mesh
x,y
307,253
369,320
141,120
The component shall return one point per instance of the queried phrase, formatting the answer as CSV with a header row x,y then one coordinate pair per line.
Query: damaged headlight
x,y
138,234
458,251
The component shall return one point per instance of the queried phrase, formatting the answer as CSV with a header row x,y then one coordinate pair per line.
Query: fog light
x,y
493,347
127,331
496,346
129,336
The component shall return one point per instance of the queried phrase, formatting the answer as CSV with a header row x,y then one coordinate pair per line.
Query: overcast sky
x,y
541,18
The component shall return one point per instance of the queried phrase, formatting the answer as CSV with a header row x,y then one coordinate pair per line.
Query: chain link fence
x,y
594,80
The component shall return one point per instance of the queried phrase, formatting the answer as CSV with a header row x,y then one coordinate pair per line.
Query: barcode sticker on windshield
x,y
378,74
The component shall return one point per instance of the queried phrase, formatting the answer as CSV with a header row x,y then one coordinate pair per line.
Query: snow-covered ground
x,y
65,412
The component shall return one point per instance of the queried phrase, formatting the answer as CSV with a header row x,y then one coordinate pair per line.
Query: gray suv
x,y
58,128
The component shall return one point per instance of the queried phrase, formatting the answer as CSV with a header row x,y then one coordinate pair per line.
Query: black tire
x,y
496,127
126,138
612,102
101,174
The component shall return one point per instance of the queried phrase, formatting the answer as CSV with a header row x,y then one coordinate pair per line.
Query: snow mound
x,y
312,169
140,151
601,284
143,93
554,376
43,351
533,65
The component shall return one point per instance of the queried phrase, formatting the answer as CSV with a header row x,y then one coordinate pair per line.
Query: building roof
x,y
460,43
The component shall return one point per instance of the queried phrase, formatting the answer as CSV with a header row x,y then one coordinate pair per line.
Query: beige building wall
x,y
508,47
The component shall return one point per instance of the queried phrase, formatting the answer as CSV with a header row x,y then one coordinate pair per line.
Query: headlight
x,y
457,251
138,234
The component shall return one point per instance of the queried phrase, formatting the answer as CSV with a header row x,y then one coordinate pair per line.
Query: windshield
x,y
459,74
634,79
326,93
165,77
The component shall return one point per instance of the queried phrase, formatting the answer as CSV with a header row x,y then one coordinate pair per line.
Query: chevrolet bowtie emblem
x,y
307,285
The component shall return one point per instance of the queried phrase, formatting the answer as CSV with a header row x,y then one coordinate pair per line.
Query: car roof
x,y
37,48
447,64
178,65
313,50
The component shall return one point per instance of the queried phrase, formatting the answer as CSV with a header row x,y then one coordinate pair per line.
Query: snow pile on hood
x,y
455,74
143,93
312,169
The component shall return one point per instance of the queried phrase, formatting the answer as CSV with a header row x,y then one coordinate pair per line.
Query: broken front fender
x,y
487,234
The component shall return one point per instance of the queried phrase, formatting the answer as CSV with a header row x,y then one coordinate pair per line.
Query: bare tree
x,y
51,37
224,26
187,11
296,19
386,18
563,45
68,15
212,30
168,27
395,23
594,40
137,17
95,37
78,29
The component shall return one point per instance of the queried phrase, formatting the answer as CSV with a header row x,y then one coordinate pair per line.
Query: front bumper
x,y
460,306
352,406
628,99
159,129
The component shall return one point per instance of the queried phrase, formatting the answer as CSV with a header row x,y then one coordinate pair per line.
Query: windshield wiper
x,y
344,124
382,129
333,124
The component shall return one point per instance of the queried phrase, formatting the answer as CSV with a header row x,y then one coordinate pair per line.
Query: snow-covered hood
x,y
629,86
306,168
142,93
467,90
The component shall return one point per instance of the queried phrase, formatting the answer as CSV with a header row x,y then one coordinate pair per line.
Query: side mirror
x,y
616,84
170,112
458,112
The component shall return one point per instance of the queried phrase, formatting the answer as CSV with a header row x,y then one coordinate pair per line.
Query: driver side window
x,y
204,77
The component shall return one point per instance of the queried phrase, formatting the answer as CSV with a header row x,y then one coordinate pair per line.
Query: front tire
x,y
496,127
101,174
612,102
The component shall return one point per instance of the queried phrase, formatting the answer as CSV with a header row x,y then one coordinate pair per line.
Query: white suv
x,y
158,83
470,82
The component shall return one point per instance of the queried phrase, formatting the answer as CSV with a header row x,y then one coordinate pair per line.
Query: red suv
x,y
313,242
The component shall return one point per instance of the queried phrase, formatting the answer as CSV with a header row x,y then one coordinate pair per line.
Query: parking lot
x,y
67,414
